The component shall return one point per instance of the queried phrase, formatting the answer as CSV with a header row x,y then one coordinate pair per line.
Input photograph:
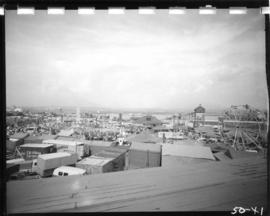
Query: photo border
x,y
127,4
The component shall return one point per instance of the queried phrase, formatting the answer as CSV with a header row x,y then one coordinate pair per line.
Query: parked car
x,y
68,171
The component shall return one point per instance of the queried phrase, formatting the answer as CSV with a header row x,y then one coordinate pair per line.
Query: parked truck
x,y
46,163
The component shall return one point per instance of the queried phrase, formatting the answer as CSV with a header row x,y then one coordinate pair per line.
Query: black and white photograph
x,y
136,111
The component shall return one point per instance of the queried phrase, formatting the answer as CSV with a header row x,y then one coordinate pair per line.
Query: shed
x,y
96,164
142,155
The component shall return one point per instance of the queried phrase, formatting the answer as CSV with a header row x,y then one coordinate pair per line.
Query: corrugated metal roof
x,y
95,161
188,151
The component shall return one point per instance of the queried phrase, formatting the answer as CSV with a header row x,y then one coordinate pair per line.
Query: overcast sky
x,y
136,61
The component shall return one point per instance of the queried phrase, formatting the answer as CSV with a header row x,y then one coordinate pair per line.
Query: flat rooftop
x,y
62,142
36,145
54,155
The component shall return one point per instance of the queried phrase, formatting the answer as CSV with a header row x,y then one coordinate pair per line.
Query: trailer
x,y
46,163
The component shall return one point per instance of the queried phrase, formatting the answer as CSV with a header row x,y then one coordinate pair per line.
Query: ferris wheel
x,y
248,127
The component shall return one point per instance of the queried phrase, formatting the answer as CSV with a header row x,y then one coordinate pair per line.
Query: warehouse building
x,y
95,164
